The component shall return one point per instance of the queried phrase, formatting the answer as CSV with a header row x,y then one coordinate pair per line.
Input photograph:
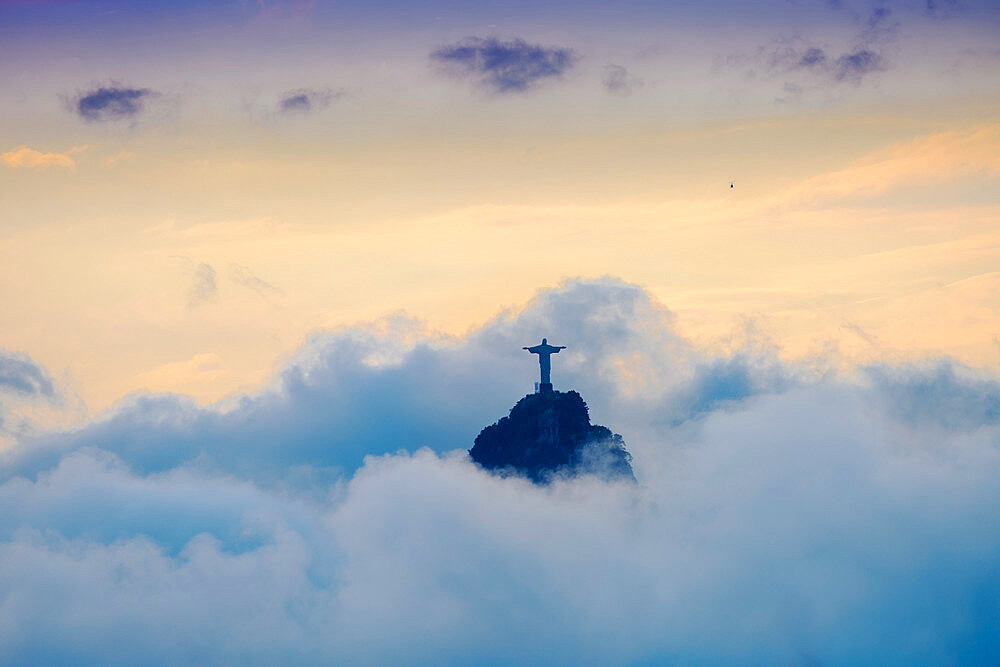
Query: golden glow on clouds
x,y
851,253
189,376
29,157
924,161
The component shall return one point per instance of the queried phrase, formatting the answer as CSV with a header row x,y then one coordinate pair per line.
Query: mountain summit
x,y
549,434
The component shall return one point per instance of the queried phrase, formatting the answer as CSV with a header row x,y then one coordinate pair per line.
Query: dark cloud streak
x,y
112,103
511,66
307,100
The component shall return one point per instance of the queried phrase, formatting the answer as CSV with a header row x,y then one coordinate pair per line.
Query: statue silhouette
x,y
544,351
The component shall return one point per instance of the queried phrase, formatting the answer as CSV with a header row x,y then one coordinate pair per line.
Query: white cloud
x,y
780,516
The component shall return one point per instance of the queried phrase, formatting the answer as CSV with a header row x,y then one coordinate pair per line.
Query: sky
x,y
267,268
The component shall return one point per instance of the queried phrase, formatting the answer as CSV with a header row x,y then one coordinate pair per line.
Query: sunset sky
x,y
267,268
289,167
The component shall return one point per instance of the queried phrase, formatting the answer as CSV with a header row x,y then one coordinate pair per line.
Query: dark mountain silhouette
x,y
548,435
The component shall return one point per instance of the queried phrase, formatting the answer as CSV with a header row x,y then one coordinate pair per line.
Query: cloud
x,y
285,9
118,158
878,15
944,395
24,386
242,275
24,157
504,66
20,375
937,9
113,102
927,160
296,102
229,230
943,8
318,406
305,100
203,287
617,80
802,516
198,370
813,57
853,66
787,56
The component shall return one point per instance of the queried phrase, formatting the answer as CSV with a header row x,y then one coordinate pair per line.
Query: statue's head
x,y
545,341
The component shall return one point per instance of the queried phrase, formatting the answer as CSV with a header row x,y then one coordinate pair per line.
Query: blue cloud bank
x,y
782,515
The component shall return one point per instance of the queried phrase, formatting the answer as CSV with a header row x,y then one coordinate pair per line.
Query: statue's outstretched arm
x,y
525,348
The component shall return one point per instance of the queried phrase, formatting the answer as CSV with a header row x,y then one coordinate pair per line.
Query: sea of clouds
x,y
783,513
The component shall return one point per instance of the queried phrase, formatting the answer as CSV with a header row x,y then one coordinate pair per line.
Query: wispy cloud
x,y
785,58
117,158
935,158
228,229
305,100
284,9
943,9
199,369
799,58
499,66
203,285
242,275
813,57
24,157
854,66
617,80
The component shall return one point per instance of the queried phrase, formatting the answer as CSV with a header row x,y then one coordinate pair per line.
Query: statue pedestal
x,y
544,388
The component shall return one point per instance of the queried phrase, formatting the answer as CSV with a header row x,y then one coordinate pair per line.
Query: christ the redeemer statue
x,y
544,351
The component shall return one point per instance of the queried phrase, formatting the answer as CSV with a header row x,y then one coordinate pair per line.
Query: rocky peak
x,y
550,434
